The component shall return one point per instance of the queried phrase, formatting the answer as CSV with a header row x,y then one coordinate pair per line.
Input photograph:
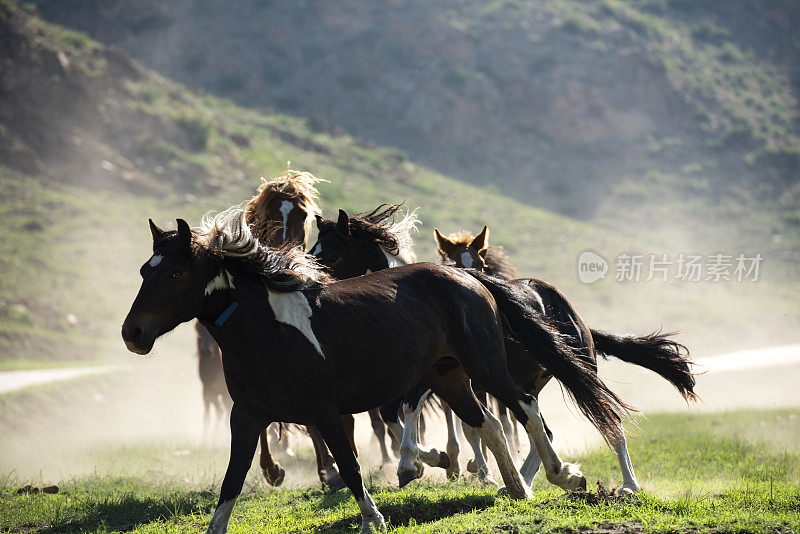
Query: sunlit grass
x,y
719,472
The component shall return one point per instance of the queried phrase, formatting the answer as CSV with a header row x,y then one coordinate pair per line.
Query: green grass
x,y
731,472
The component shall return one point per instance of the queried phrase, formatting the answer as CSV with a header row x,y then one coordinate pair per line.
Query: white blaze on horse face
x,y
466,259
292,309
155,260
223,280
286,208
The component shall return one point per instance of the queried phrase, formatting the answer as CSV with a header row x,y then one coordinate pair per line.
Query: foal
x,y
654,351
301,348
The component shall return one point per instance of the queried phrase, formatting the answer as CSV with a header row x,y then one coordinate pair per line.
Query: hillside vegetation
x,y
582,107
92,144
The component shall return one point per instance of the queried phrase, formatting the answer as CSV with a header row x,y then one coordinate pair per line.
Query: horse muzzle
x,y
136,339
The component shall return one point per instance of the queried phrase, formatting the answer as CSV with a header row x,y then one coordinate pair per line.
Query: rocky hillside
x,y
585,107
92,144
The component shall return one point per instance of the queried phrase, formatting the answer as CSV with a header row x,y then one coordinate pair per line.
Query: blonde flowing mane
x,y
297,186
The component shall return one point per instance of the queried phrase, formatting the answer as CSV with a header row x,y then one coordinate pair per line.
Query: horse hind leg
x,y
620,446
328,474
454,388
508,428
409,467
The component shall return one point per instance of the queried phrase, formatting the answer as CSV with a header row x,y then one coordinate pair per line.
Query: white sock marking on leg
x,y
219,521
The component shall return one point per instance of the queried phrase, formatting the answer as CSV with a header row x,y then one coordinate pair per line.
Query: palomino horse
x,y
302,348
654,351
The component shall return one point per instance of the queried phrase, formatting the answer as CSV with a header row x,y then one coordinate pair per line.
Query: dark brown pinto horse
x,y
388,230
654,351
281,213
301,348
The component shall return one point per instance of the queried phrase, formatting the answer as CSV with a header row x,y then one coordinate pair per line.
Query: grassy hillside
x,y
92,144
567,104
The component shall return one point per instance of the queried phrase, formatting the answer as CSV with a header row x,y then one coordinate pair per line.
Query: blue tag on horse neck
x,y
226,314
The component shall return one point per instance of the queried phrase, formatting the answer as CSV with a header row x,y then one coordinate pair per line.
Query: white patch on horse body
x,y
292,308
285,209
223,280
219,521
317,249
466,259
369,271
155,260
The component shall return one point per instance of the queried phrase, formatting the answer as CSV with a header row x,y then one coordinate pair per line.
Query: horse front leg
x,y
245,430
273,472
379,429
333,432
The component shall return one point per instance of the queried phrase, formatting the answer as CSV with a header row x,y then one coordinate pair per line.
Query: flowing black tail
x,y
539,337
656,352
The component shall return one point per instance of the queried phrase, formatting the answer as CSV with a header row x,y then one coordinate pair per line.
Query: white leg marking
x,y
466,260
453,447
564,475
530,466
285,209
223,280
292,309
371,518
219,521
408,444
474,441
491,432
629,483
155,260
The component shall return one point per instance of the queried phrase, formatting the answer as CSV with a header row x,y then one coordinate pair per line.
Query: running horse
x,y
655,351
279,215
354,245
299,347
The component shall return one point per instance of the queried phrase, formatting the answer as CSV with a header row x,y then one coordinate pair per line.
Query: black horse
x,y
327,348
362,243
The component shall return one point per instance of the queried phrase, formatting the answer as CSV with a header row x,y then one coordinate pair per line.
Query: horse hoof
x,y
335,483
472,467
453,472
405,477
444,460
274,475
628,490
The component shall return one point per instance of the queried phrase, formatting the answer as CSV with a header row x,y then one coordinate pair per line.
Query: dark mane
x,y
284,269
380,227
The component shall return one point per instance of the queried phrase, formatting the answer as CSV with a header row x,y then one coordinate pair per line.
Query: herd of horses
x,y
358,325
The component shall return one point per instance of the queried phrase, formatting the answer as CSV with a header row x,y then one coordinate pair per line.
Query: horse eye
x,y
176,274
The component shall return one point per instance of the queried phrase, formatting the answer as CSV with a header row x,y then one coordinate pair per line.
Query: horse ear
x,y
442,243
481,241
155,231
320,220
184,234
343,224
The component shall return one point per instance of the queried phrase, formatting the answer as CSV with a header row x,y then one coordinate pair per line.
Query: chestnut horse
x,y
654,351
301,348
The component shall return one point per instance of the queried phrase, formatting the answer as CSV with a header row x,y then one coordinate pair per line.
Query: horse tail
x,y
655,351
552,349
